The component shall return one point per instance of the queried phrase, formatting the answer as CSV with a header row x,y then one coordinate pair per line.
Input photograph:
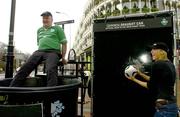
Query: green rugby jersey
x,y
50,38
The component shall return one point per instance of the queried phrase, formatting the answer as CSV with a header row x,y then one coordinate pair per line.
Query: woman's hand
x,y
131,77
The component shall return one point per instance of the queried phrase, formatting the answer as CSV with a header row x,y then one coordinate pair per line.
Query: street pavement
x,y
87,106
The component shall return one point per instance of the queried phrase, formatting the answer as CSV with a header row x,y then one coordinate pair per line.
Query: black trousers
x,y
51,59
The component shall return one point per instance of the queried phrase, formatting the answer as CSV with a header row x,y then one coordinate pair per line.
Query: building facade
x,y
107,8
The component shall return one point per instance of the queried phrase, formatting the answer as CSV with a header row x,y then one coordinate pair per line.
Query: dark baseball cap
x,y
160,45
46,13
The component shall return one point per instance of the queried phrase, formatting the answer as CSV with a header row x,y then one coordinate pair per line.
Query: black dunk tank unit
x,y
119,42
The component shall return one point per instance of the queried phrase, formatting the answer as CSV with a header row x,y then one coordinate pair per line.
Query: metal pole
x,y
177,58
10,52
63,26
177,26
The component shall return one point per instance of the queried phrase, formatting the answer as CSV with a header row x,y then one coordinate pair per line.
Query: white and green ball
x,y
130,70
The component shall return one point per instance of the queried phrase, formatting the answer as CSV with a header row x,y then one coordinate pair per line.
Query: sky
x,y
28,20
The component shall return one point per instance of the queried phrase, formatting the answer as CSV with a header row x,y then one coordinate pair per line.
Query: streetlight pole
x,y
10,49
64,14
62,23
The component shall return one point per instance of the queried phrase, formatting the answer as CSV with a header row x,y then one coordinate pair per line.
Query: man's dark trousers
x,y
51,59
